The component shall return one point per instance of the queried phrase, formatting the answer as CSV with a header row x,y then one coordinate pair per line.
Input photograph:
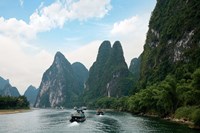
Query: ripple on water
x,y
57,121
108,124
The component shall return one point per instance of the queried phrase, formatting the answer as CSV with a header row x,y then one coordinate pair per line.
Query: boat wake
x,y
73,124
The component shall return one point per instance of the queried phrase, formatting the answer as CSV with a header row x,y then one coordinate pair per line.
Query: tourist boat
x,y
78,116
99,112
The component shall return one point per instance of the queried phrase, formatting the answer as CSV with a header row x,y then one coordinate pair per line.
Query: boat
x,y
60,107
78,116
84,108
99,112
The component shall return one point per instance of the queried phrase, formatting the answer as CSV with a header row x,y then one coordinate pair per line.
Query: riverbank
x,y
13,111
183,121
190,124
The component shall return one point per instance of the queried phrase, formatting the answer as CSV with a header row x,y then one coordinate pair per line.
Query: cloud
x,y
131,32
53,16
126,26
56,14
22,61
14,28
21,67
85,9
86,54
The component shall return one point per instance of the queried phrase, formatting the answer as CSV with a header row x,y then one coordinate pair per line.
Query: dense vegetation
x,y
109,75
166,98
172,43
6,88
7,102
169,79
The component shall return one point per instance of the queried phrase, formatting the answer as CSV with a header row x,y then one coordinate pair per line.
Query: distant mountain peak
x,y
104,45
104,51
106,42
117,44
107,74
58,53
6,89
31,94
77,63
58,57
61,84
60,61
3,82
31,87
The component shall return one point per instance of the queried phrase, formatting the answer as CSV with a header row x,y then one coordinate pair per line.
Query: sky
x,y
32,31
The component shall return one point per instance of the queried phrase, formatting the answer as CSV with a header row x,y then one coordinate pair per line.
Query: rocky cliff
x,y
109,74
31,94
81,73
59,86
6,89
173,41
134,68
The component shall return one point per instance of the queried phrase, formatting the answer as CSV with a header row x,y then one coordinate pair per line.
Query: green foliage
x,y
191,113
7,102
184,112
109,72
168,81
173,28
196,79
196,117
106,102
185,94
140,101
134,68
163,98
169,74
112,103
158,98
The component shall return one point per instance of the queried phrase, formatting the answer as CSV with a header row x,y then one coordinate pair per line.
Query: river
x,y
57,121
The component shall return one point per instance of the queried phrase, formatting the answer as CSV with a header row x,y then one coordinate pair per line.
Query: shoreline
x,y
182,121
13,111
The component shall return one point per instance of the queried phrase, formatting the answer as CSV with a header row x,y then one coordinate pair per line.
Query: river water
x,y
57,121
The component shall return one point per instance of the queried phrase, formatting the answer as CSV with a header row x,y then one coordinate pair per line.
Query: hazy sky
x,y
32,31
